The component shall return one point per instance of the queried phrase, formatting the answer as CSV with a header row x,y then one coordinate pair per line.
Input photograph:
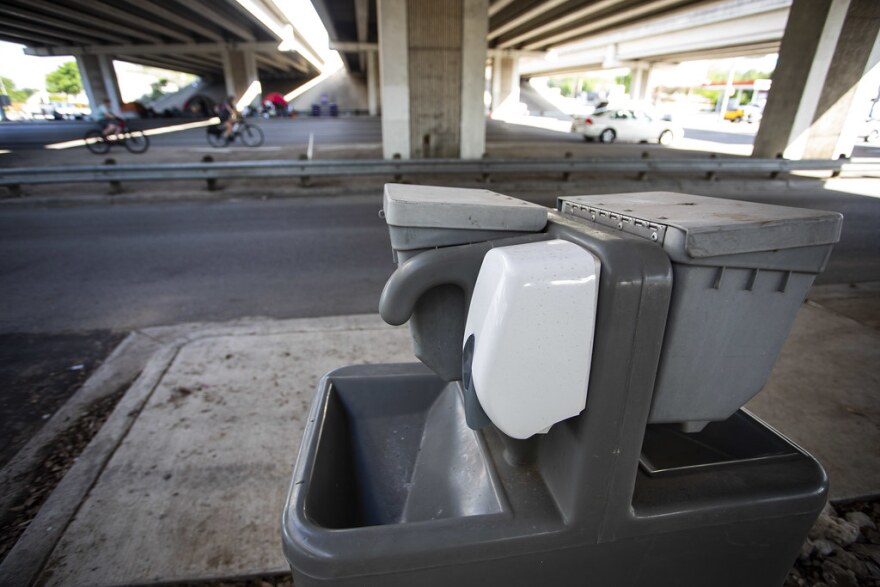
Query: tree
x,y
625,81
15,95
64,80
720,75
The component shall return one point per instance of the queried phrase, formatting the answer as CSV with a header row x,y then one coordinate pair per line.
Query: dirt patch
x,y
38,373
281,580
60,457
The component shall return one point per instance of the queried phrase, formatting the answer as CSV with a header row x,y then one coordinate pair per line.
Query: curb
x,y
118,370
26,559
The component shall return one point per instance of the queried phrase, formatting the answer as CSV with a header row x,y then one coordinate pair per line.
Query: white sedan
x,y
621,124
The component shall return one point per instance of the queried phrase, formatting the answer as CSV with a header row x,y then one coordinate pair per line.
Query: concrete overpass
x,y
425,61
714,30
239,41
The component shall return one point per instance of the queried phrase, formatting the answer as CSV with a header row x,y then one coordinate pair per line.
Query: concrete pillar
x,y
851,77
99,80
373,82
240,73
472,143
505,86
394,76
827,49
111,84
642,84
432,62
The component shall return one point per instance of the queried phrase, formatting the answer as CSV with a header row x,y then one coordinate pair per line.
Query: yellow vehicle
x,y
748,113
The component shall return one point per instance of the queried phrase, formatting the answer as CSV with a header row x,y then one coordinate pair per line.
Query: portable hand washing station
x,y
577,418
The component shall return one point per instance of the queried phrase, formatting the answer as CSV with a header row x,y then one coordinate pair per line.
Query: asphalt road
x,y
136,265
124,267
33,136
279,132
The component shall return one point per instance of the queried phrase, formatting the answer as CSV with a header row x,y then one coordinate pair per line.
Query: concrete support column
x,y
829,48
432,66
642,83
473,78
394,76
99,80
240,74
373,82
505,86
111,84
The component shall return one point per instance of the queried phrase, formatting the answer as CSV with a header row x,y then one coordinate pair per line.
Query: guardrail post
x,y
212,182
643,175
711,175
304,180
775,174
566,175
836,172
115,186
487,177
398,178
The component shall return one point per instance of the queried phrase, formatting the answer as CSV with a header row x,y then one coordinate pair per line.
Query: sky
x,y
27,71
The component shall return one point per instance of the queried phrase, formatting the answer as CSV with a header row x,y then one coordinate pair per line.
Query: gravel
x,y
842,549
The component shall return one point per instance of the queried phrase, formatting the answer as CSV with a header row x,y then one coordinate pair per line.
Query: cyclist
x,y
111,123
228,117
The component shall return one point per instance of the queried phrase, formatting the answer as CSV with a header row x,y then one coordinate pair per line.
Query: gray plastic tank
x,y
741,271
428,217
393,488
425,219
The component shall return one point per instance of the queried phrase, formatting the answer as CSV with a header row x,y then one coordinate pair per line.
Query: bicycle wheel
x,y
136,141
216,138
251,135
96,143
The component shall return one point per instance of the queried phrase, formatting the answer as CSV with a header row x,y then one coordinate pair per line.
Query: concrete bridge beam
x,y
432,61
240,74
829,55
505,85
99,80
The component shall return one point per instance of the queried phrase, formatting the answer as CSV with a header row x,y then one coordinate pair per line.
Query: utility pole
x,y
5,100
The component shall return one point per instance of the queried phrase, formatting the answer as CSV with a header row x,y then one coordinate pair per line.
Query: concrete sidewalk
x,y
187,479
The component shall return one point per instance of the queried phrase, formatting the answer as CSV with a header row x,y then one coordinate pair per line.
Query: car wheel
x,y
608,135
666,138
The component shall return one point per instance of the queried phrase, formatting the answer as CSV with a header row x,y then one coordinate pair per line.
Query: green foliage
x,y
64,80
565,85
625,81
157,90
713,95
719,76
16,95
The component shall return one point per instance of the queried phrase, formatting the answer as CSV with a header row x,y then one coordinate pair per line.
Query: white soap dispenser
x,y
529,334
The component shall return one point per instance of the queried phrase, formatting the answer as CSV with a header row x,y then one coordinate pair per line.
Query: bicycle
x,y
249,134
133,140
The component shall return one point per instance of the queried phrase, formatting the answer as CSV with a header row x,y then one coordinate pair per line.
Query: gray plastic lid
x,y
708,227
458,208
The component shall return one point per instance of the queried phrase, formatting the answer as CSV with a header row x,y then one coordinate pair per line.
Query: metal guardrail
x,y
211,171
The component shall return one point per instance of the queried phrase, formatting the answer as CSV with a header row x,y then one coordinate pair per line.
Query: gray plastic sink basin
x,y
392,456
